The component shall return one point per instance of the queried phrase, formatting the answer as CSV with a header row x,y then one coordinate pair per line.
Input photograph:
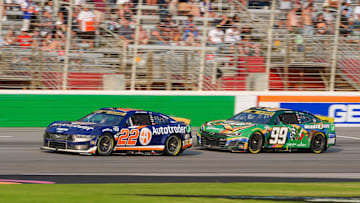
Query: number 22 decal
x,y
125,139
278,135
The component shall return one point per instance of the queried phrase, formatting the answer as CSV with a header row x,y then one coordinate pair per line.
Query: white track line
x,y
279,175
6,136
355,138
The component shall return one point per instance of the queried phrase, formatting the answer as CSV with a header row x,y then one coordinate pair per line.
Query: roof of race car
x,y
122,110
269,109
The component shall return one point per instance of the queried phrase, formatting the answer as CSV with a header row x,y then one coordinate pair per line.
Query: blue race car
x,y
120,129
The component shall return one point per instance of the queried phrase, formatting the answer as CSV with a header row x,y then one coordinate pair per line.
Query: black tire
x,y
173,145
105,145
255,143
318,143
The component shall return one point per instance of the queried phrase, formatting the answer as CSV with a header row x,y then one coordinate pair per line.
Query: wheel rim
x,y
105,144
255,142
173,144
318,143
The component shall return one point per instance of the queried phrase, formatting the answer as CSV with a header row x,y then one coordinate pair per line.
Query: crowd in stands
x,y
44,27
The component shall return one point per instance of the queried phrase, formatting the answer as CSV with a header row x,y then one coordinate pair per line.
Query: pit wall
x,y
35,108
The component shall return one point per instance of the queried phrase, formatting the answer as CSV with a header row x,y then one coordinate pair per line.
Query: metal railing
x,y
161,47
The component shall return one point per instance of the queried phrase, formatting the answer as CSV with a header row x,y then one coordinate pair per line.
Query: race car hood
x,y
67,127
225,126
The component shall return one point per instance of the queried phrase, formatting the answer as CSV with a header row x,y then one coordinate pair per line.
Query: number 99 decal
x,y
278,135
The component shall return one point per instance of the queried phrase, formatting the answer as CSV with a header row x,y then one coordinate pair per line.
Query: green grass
x,y
132,192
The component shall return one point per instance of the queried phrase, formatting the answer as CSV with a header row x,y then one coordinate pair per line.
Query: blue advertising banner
x,y
344,113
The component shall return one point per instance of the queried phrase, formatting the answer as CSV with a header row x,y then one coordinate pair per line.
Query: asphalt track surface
x,y
22,159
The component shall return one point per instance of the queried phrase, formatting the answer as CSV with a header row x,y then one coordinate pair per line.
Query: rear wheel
x,y
173,145
318,143
255,143
105,145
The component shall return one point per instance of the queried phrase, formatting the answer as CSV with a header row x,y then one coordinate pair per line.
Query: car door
x,y
279,135
135,132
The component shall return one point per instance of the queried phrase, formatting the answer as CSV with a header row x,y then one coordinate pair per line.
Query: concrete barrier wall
x,y
31,108
37,109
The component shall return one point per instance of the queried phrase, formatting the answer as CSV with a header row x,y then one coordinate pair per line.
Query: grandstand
x,y
219,45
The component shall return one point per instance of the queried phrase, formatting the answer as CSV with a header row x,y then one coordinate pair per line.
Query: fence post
x,y
269,46
136,43
335,49
67,47
202,54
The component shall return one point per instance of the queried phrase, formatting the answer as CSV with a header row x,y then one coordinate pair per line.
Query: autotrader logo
x,y
145,136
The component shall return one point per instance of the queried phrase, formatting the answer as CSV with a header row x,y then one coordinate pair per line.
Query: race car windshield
x,y
252,117
103,118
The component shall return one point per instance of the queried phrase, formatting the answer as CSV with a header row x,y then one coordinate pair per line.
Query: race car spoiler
x,y
184,120
324,118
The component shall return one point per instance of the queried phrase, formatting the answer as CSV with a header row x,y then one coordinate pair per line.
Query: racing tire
x,y
255,143
173,145
105,145
318,143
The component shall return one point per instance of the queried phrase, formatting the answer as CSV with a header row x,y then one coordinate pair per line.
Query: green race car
x,y
256,129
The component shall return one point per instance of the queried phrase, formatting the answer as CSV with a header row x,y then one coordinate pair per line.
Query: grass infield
x,y
137,192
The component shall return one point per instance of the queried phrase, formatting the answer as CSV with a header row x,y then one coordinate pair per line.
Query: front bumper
x,y
91,150
88,147
222,142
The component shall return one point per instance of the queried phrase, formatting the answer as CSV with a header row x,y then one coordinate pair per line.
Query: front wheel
x,y
105,145
255,143
318,143
173,145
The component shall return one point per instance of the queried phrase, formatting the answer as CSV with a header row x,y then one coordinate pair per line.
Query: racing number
x,y
125,139
278,135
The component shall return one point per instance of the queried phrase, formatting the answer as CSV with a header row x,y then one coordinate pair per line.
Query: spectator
x,y
24,39
247,46
293,22
346,5
99,11
51,42
307,19
321,25
120,3
285,7
46,24
232,35
10,38
329,18
331,4
125,13
205,5
49,7
191,36
164,31
126,33
344,24
151,2
194,8
259,4
183,7
357,17
86,21
143,37
172,7
36,38
29,11
216,36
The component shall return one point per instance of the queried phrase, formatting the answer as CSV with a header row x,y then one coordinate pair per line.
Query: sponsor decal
x,y
116,128
107,130
145,136
169,130
344,113
73,125
62,129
